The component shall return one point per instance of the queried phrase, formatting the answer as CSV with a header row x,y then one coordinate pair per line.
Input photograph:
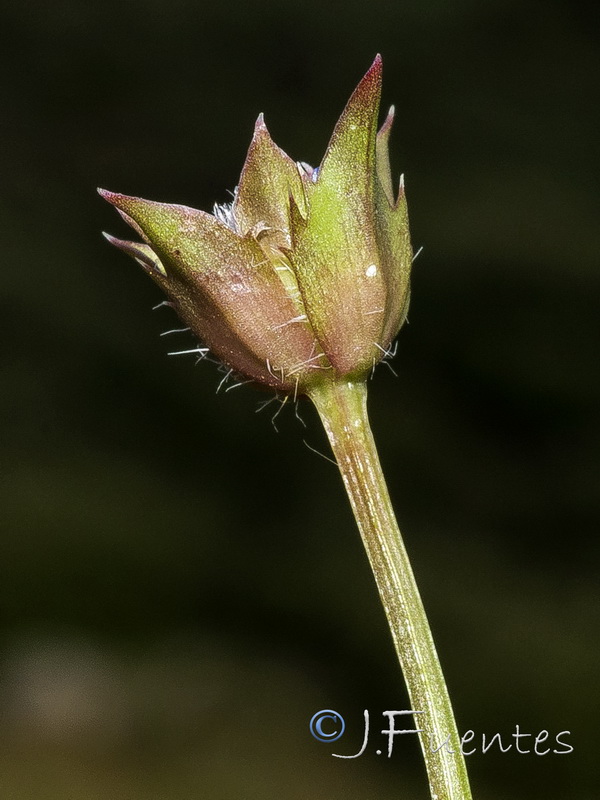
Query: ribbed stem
x,y
343,410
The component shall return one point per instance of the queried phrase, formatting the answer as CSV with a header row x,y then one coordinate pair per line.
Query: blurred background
x,y
181,587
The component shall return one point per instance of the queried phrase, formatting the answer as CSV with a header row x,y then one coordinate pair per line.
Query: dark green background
x,y
181,588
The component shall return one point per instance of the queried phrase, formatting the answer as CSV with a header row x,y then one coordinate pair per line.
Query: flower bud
x,y
304,278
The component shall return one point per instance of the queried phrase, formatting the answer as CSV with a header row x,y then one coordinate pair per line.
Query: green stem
x,y
343,411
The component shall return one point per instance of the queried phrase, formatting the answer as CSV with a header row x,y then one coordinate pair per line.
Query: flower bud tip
x,y
373,73
384,131
105,194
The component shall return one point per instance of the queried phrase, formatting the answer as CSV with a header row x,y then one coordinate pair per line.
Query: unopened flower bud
x,y
304,278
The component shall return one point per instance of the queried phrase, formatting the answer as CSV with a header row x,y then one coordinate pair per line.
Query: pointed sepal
x,y
268,180
224,288
335,255
143,254
384,172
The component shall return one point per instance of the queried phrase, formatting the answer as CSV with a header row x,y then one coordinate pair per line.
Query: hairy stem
x,y
343,411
